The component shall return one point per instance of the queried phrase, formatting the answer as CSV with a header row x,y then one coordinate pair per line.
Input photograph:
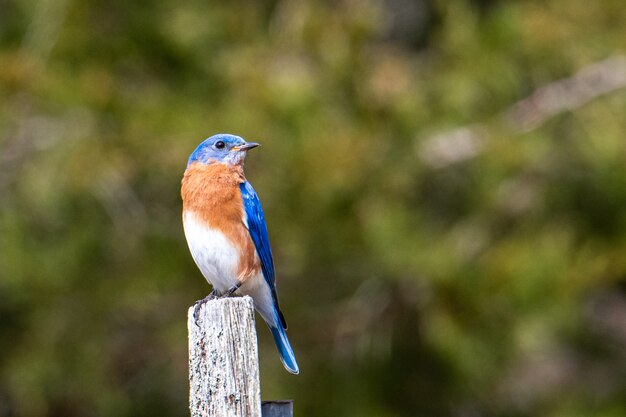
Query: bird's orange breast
x,y
212,193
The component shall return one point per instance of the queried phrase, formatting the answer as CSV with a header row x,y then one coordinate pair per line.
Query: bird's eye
x,y
220,144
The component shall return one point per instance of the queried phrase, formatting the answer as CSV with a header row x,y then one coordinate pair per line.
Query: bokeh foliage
x,y
415,283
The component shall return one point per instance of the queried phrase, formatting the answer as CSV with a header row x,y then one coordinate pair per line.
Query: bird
x,y
227,235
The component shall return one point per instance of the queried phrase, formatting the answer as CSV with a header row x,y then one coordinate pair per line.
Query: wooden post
x,y
280,408
223,360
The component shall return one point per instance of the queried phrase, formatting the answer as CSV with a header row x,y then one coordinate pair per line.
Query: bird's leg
x,y
231,290
213,295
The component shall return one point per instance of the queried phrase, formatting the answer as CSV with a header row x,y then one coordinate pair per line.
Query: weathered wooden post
x,y
224,362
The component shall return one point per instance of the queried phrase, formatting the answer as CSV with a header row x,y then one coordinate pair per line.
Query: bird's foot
x,y
231,290
212,296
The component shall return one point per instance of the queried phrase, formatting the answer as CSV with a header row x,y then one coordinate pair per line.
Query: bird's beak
x,y
246,146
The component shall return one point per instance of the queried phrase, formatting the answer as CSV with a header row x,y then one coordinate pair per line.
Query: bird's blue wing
x,y
258,230
260,237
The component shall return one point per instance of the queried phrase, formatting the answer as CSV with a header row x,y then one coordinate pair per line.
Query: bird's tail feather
x,y
287,357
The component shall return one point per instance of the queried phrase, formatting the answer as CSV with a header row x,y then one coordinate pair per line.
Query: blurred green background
x,y
447,214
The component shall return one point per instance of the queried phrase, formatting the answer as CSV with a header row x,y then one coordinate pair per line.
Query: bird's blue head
x,y
221,148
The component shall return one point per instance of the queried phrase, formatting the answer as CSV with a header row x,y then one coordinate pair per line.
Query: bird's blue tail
x,y
285,351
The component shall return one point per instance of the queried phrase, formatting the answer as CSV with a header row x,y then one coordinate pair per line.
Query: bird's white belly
x,y
214,254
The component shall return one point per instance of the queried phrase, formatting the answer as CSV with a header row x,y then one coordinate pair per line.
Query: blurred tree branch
x,y
546,102
45,28
530,113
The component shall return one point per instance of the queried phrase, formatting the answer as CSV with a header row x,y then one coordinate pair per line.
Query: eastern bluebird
x,y
226,232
